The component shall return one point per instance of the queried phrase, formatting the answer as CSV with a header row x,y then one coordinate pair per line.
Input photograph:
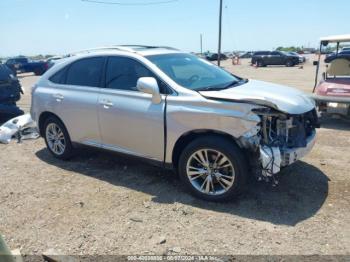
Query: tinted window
x,y
59,77
86,72
5,73
262,53
21,60
123,73
276,53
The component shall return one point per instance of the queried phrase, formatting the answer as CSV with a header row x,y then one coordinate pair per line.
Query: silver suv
x,y
214,128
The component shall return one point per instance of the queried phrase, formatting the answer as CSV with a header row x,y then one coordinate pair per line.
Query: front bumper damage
x,y
278,141
274,158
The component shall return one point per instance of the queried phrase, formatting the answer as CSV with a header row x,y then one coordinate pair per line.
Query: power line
x,y
130,4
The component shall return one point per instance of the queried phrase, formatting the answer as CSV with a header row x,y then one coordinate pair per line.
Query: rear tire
x,y
225,169
57,138
260,63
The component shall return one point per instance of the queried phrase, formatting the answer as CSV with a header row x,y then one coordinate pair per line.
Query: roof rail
x,y
127,48
86,51
147,47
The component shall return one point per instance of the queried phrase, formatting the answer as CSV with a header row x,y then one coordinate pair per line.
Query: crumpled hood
x,y
279,97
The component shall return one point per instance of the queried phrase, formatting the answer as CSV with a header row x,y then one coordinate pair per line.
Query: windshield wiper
x,y
211,88
218,88
235,83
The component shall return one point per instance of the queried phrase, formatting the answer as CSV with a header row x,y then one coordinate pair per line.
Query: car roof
x,y
135,49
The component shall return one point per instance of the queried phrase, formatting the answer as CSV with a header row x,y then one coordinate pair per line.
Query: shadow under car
x,y
301,192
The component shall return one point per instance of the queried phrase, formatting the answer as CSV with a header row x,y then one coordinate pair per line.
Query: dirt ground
x,y
101,203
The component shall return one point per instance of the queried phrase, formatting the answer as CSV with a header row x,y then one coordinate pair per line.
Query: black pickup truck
x,y
24,65
265,58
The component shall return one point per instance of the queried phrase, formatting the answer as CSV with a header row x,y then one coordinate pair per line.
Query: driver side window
x,y
122,73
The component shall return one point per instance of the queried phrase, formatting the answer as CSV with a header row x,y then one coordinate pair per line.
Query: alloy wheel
x,y
210,172
55,139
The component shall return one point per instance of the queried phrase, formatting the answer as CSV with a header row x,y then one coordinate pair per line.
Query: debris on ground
x,y
162,240
175,249
21,128
135,219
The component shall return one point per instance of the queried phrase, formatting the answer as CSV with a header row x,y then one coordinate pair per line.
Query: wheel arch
x,y
189,136
43,117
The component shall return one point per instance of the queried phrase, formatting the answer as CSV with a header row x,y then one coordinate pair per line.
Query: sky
x,y
31,27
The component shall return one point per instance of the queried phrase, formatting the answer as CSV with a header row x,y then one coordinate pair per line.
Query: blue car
x,y
24,65
342,54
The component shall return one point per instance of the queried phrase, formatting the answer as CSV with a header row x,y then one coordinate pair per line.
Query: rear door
x,y
129,121
74,98
276,58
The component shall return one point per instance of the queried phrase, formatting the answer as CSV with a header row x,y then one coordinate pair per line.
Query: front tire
x,y
289,63
213,168
57,138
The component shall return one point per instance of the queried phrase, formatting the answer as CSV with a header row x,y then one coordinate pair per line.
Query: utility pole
x,y
220,26
201,44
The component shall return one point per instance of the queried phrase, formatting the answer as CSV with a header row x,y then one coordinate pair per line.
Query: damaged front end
x,y
280,140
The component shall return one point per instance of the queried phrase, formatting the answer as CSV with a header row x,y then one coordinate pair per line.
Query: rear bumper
x,y
330,99
289,156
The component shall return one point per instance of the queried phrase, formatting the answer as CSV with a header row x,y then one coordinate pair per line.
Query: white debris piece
x,y
21,127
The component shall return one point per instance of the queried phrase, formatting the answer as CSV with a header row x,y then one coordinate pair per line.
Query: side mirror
x,y
149,85
315,63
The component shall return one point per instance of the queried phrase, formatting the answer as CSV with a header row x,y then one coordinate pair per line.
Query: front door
x,y
276,58
129,121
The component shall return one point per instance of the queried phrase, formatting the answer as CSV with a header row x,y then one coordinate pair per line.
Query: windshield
x,y
193,73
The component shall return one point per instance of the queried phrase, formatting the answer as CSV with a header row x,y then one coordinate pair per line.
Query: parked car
x,y
215,56
247,55
10,93
302,59
343,54
265,58
177,110
52,60
24,65
345,49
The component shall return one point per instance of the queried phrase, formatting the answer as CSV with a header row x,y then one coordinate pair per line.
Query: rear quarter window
x,y
86,72
59,77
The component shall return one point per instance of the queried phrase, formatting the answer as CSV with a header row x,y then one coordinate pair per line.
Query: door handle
x,y
106,103
58,97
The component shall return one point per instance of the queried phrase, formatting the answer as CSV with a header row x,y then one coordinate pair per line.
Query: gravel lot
x,y
102,203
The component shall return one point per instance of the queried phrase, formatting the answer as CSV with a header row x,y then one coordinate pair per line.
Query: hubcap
x,y
210,172
55,139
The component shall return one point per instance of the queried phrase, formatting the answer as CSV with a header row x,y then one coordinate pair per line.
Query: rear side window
x,y
59,77
262,53
122,73
86,72
276,53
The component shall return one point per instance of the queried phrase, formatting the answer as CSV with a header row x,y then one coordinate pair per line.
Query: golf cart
x,y
332,93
